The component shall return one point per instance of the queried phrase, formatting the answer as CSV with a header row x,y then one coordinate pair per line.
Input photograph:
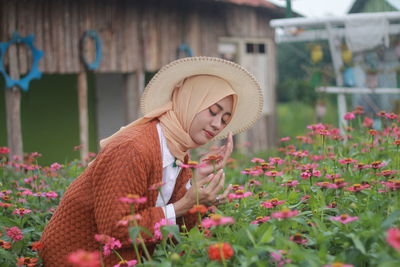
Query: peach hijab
x,y
190,96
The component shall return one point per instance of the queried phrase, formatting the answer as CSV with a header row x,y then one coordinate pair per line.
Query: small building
x,y
71,105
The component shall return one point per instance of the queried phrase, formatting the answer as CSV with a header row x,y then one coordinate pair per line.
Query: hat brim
x,y
250,99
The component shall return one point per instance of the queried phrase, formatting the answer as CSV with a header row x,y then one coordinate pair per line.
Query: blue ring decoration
x,y
34,73
185,49
96,63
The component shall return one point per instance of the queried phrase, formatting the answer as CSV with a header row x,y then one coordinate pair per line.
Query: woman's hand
x,y
216,159
205,190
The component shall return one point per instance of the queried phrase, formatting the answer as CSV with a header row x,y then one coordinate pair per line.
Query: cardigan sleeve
x,y
119,171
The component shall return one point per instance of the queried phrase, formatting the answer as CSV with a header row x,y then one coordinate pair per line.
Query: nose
x,y
216,123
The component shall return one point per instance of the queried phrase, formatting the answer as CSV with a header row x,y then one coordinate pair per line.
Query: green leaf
x,y
390,220
357,243
267,236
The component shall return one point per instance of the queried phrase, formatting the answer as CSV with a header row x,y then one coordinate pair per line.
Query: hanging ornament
x,y
34,73
316,54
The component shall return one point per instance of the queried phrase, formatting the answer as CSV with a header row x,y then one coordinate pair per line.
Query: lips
x,y
209,134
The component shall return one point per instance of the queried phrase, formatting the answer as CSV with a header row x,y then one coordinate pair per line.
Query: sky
x,y
318,8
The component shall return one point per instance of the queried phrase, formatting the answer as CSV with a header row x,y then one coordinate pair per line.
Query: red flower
x,y
36,245
219,251
27,261
82,258
357,187
393,238
272,203
213,159
5,244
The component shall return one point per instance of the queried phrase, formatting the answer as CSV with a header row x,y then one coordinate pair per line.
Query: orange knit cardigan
x,y
130,164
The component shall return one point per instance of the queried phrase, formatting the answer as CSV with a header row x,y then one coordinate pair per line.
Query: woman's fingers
x,y
223,198
219,185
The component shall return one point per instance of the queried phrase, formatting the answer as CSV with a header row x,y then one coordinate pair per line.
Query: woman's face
x,y
211,121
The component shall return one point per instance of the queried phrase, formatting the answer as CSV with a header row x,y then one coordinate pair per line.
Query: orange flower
x,y
27,261
198,208
5,244
219,251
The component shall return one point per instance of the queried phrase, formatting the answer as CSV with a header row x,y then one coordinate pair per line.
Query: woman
x,y
188,103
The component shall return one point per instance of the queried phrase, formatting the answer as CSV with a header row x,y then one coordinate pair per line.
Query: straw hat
x,y
250,99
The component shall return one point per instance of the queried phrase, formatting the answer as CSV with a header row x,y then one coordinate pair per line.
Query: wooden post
x,y
13,108
83,114
14,133
134,85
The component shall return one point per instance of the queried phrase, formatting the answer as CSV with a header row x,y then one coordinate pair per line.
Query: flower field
x,y
324,199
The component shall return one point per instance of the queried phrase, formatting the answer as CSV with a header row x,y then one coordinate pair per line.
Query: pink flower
x,y
368,122
133,198
273,173
22,211
257,160
276,160
260,220
269,204
306,175
215,220
357,187
157,228
191,164
239,194
333,176
125,263
347,161
285,213
55,166
284,139
393,238
109,243
298,238
291,183
278,258
14,233
344,218
4,150
349,116
82,258
253,182
51,195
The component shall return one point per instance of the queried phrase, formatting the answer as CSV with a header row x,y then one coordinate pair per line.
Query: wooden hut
x,y
137,37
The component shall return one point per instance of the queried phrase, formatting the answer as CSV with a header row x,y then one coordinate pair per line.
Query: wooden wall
x,y
136,35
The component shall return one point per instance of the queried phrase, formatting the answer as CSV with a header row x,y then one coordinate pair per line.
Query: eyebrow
x,y
221,108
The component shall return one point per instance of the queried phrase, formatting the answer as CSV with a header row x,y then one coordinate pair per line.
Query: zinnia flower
x,y
109,243
198,208
298,238
357,187
27,261
14,233
260,220
125,263
219,251
157,228
344,218
285,213
133,198
82,258
290,183
239,194
339,264
5,244
278,258
215,220
349,116
393,238
272,203
21,211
